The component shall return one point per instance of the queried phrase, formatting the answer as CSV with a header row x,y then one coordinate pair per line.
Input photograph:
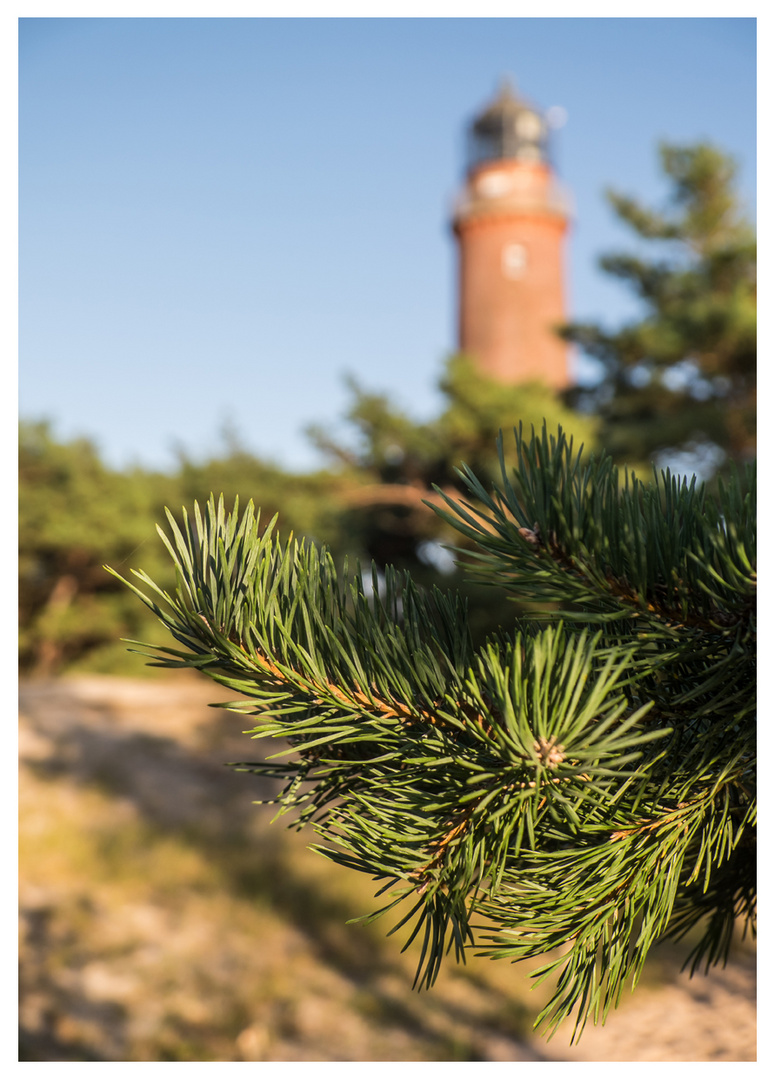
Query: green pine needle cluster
x,y
581,786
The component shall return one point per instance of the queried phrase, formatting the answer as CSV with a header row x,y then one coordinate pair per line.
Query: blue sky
x,y
221,218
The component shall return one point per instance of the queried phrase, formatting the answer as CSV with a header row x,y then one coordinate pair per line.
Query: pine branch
x,y
584,782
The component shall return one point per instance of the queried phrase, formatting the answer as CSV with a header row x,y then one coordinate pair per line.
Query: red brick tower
x,y
510,223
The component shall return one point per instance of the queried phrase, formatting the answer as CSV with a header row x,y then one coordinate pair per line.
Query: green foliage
x,y
572,790
682,377
307,504
73,513
479,408
395,462
391,448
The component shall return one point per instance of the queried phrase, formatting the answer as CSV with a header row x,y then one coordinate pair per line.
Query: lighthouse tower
x,y
510,223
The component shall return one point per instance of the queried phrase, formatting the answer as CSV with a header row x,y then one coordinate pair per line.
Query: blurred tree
x,y
394,462
73,515
397,461
679,382
307,504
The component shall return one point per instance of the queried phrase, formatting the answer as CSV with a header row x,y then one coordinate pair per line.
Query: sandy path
x,y
149,755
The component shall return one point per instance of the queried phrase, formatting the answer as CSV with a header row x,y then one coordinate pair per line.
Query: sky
x,y
220,219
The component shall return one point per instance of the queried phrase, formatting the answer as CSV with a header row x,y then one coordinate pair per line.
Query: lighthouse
x,y
510,222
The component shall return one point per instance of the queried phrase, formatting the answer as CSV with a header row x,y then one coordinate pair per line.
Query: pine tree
x,y
74,513
680,378
396,462
397,469
576,789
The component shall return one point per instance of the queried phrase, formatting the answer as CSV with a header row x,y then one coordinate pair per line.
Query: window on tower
x,y
514,261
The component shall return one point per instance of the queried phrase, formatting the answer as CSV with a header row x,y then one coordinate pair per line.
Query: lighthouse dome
x,y
510,128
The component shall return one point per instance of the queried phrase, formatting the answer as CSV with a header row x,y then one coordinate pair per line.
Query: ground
x,y
163,917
